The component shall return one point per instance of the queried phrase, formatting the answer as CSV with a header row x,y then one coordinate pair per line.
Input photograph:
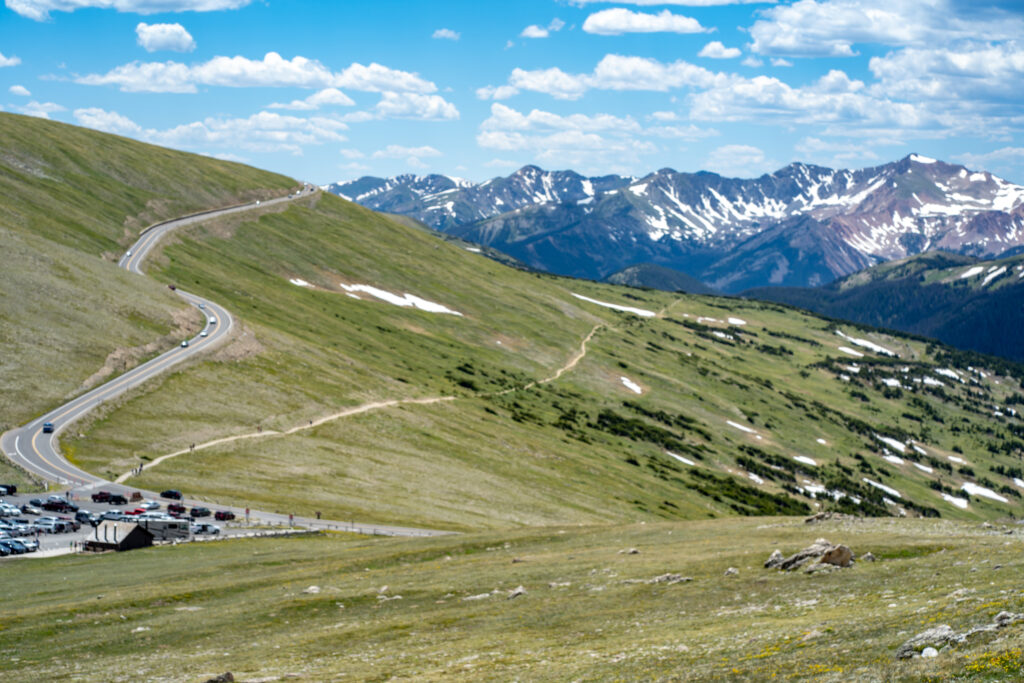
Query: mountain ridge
x,y
802,225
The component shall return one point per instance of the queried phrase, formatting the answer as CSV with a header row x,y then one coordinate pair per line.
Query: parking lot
x,y
63,537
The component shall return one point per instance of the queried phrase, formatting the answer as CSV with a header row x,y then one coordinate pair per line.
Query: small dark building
x,y
118,536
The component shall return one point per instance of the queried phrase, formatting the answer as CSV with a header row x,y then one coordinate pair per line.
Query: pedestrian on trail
x,y
259,428
318,514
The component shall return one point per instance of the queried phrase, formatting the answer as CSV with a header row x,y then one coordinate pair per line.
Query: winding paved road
x,y
38,452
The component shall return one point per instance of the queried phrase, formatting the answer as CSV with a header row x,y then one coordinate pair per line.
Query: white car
x,y
149,505
205,528
184,343
203,333
202,305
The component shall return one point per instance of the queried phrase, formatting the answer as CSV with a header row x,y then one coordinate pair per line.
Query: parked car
x,y
135,512
72,524
199,512
8,510
30,509
101,496
150,505
15,545
8,489
31,544
175,509
37,502
117,499
5,551
60,506
171,493
205,528
47,428
115,516
223,515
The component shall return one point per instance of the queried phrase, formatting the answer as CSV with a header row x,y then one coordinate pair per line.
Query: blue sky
x,y
332,90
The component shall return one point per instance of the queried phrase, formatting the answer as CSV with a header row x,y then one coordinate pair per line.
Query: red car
x,y
101,496
223,515
175,509
136,511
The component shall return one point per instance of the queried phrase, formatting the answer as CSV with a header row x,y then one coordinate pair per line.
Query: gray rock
x,y
840,556
819,568
935,637
929,652
811,552
516,593
868,557
775,559
226,677
670,579
732,571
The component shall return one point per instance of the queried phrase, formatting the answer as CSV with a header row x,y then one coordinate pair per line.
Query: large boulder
x,y
936,637
839,555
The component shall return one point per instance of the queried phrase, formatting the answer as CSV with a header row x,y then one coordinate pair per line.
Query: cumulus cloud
x,y
833,27
19,90
272,71
261,132
779,61
1008,162
325,97
39,109
992,72
9,61
40,9
398,151
535,31
613,72
738,161
836,154
446,34
408,105
686,3
715,50
173,37
613,22
351,153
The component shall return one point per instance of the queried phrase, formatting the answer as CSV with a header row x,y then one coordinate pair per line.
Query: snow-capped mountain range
x,y
802,225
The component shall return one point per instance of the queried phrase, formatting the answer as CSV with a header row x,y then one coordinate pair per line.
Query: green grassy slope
x,y
72,200
584,448
330,608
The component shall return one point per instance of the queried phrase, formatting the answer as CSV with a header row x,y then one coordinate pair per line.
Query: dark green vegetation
x,y
72,200
659,277
335,607
927,295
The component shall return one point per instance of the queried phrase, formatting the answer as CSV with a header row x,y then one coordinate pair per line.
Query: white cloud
x,y
834,154
351,153
446,34
40,9
325,97
408,105
613,72
506,118
715,50
752,61
833,27
1008,162
398,151
39,109
684,3
969,72
173,37
779,61
534,31
502,163
19,90
613,22
261,132
272,71
9,61
738,161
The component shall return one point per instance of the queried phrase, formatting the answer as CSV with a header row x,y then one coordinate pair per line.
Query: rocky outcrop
x,y
821,552
943,635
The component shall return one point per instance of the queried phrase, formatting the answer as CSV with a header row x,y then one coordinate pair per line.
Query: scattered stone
x,y
935,637
867,557
775,559
732,571
140,629
828,515
479,596
819,552
820,567
383,589
226,677
516,560
556,584
517,592
312,590
631,551
929,652
670,579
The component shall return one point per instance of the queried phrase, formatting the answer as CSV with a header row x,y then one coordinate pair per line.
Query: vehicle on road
x,y
202,305
184,343
172,287
199,512
223,515
47,428
117,499
205,528
213,321
171,493
203,333
101,496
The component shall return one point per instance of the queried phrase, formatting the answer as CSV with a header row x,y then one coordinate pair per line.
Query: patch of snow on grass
x,y
805,460
923,468
740,427
405,300
888,489
946,372
958,461
848,350
1018,482
919,449
892,443
976,490
627,309
971,272
895,460
299,282
475,250
932,382
754,478
871,346
993,275
955,500
737,321
685,461
631,385
822,442
890,382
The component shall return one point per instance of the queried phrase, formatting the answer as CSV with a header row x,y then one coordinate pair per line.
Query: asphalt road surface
x,y
38,451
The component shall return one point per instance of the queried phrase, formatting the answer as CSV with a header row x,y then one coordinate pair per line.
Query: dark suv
x,y
223,515
199,512
59,506
117,499
171,493
101,496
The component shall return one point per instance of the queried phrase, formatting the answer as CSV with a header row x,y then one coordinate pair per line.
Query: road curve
x,y
38,452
